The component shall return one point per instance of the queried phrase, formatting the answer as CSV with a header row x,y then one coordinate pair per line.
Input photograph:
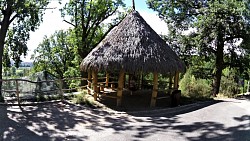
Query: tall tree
x,y
54,54
17,19
87,18
217,25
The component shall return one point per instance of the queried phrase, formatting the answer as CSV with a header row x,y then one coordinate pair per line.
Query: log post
x,y
176,80
112,86
61,88
140,80
17,93
107,80
120,87
94,82
170,81
89,83
155,90
102,87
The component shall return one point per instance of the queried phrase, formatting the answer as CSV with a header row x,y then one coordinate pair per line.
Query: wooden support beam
x,y
102,87
89,79
176,80
17,93
107,80
61,88
94,82
120,87
170,81
155,90
140,80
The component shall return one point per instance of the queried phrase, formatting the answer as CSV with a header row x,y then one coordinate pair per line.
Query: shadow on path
x,y
63,121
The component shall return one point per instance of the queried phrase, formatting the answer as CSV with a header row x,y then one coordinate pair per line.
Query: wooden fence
x,y
95,86
58,89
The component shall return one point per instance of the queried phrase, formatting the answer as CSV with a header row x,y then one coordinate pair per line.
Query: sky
x,y
52,22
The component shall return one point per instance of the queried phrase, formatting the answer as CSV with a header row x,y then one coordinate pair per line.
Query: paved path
x,y
224,120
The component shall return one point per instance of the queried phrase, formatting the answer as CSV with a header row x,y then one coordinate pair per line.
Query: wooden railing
x,y
93,89
57,87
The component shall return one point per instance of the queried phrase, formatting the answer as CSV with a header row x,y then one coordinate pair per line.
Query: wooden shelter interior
x,y
113,87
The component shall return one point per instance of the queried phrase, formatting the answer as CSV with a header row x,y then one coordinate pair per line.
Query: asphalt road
x,y
227,120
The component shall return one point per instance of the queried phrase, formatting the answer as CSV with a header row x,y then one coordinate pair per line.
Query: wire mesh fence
x,y
33,90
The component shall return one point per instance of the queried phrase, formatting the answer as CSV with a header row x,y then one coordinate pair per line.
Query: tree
x,y
17,19
55,54
216,28
87,18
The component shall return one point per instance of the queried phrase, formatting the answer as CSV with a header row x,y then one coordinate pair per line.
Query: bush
x,y
82,99
194,88
229,87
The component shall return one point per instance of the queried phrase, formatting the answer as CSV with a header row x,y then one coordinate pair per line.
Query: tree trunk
x,y
219,64
3,33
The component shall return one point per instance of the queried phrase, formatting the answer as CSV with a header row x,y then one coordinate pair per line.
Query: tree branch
x,y
69,23
13,18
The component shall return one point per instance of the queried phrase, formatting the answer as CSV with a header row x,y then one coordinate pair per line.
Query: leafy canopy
x,y
87,17
55,54
23,16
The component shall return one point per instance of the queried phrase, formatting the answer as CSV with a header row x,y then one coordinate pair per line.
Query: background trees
x,y
87,18
17,19
55,54
215,30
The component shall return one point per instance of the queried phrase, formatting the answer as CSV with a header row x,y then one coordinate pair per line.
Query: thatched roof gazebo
x,y
133,46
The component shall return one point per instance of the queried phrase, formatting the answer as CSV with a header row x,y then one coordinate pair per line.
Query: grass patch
x,y
84,99
42,98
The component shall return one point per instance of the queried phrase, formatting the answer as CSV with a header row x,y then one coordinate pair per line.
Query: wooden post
x,y
155,90
17,93
170,81
176,80
140,80
129,81
107,80
94,82
61,88
89,83
101,87
120,87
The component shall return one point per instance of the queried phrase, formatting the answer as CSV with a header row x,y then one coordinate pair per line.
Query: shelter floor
x,y
136,100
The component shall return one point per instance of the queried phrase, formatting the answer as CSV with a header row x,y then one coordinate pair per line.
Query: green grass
x,y
84,99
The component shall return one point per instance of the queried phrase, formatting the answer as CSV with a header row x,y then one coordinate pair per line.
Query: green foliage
x,y
24,16
204,29
194,88
55,54
42,98
17,19
229,86
87,17
82,99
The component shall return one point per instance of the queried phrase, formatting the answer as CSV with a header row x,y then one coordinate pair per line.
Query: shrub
x,y
194,88
229,87
82,99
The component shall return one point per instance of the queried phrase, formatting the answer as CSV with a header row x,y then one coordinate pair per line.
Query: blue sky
x,y
53,21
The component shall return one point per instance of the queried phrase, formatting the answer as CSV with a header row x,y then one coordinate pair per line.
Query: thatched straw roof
x,y
133,46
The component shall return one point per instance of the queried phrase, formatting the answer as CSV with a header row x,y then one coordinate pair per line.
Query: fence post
x,y
61,88
17,93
